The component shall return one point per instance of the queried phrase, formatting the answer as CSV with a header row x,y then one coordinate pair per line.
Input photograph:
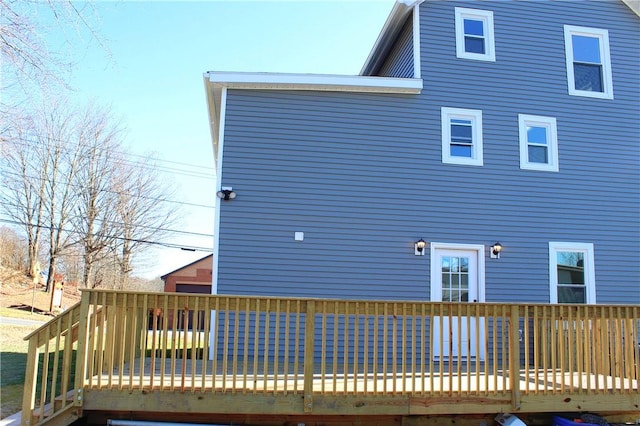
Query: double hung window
x,y
462,136
538,143
588,62
474,34
572,273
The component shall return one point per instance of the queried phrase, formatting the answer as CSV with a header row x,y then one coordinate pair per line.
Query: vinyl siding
x,y
399,62
361,174
594,197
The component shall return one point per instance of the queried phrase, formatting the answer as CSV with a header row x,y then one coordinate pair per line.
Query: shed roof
x,y
164,277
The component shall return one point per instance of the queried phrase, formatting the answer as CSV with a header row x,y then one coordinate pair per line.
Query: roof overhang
x,y
633,5
317,82
394,23
216,84
388,35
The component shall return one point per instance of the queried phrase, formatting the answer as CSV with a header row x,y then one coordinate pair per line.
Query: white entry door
x,y
456,276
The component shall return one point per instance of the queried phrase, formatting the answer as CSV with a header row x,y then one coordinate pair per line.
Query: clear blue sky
x,y
151,75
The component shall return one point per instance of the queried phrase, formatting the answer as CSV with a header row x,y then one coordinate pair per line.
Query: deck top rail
x,y
314,353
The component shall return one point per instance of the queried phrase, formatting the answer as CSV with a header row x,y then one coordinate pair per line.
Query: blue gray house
x,y
488,151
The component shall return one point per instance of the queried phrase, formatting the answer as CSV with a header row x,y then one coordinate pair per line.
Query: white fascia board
x,y
389,33
417,64
214,107
634,5
320,82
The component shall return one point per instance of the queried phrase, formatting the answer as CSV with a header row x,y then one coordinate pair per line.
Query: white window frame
x,y
486,16
548,123
475,116
607,81
589,269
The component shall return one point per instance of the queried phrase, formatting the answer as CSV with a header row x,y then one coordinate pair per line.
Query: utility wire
x,y
77,186
153,228
143,165
135,240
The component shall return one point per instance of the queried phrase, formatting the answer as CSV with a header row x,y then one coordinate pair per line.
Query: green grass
x,y
23,314
13,358
13,361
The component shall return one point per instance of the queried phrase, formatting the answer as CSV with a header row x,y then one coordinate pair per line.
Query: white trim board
x,y
320,82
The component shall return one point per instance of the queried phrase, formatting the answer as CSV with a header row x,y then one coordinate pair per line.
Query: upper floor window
x,y
462,136
588,62
572,273
474,34
538,143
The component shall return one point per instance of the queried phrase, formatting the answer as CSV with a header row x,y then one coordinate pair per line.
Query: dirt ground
x,y
18,292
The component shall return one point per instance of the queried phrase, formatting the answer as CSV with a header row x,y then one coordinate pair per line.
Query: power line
x,y
27,141
177,171
135,240
114,222
157,199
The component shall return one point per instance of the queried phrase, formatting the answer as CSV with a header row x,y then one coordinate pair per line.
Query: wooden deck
x,y
260,360
163,378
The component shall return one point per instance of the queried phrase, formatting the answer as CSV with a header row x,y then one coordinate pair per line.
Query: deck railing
x,y
315,347
50,389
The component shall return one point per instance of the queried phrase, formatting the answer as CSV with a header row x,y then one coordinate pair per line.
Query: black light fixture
x,y
226,194
419,247
496,249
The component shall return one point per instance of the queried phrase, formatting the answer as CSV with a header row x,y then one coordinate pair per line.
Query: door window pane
x,y
454,264
455,279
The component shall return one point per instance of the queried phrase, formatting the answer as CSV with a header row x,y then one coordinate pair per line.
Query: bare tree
x,y
143,212
24,180
70,184
26,57
13,249
96,217
58,132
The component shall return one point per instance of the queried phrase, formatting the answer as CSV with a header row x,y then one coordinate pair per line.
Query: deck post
x,y
514,357
83,344
30,380
309,332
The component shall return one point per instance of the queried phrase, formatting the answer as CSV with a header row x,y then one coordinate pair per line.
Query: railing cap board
x,y
134,299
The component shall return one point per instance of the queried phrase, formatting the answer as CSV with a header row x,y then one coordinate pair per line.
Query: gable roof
x,y
394,23
633,5
388,35
216,83
186,266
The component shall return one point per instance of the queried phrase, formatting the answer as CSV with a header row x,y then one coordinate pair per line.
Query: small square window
x,y
538,143
462,136
588,62
474,34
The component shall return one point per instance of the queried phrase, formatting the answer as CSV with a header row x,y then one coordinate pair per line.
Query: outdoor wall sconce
x,y
496,248
419,247
226,194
